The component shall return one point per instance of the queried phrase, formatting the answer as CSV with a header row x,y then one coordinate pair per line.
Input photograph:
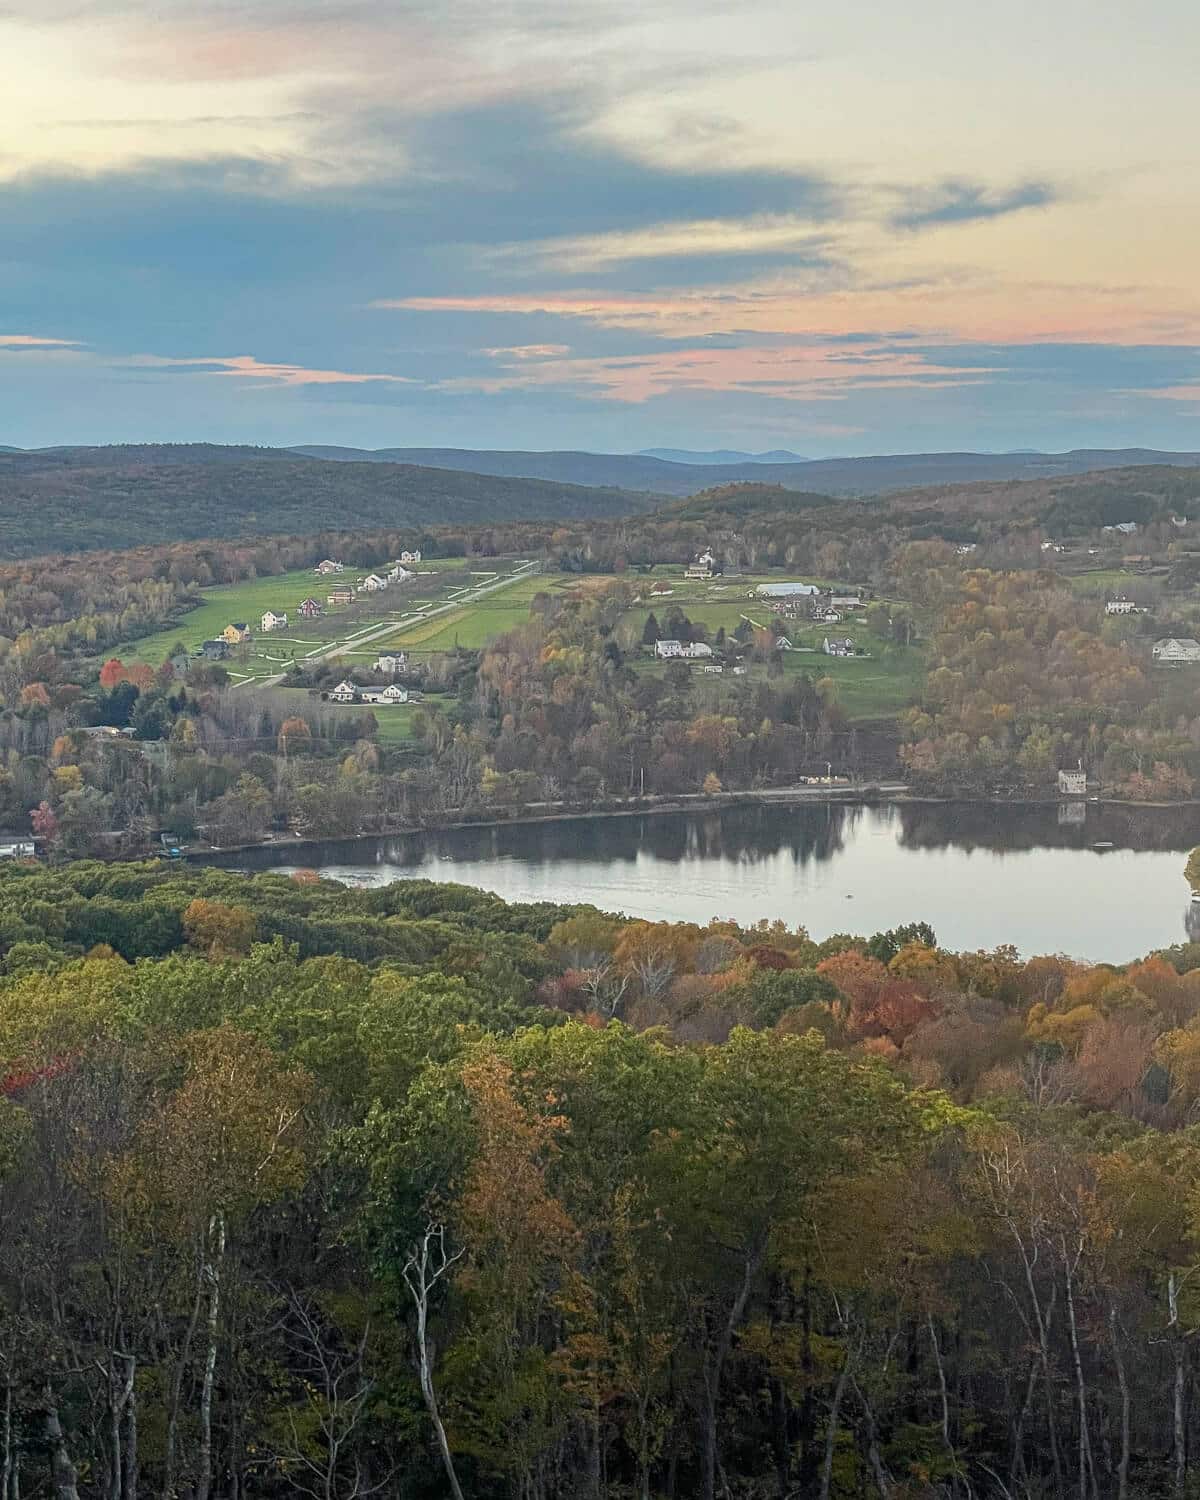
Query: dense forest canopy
x,y
308,1190
87,498
125,495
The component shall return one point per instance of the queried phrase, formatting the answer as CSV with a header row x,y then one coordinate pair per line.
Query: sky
x,y
601,224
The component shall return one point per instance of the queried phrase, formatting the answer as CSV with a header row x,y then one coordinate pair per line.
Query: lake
x,y
980,874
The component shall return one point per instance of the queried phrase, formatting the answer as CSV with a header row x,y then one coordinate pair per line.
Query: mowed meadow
x,y
225,604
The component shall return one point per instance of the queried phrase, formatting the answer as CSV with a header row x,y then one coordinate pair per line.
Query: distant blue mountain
x,y
828,476
723,456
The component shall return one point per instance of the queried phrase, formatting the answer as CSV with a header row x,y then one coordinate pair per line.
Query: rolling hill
x,y
79,499
835,476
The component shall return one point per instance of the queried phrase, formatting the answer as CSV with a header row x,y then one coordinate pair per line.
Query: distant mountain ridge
x,y
834,476
722,456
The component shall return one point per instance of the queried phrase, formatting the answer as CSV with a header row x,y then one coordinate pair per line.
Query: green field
x,y
269,654
1102,581
476,624
395,724
876,687
239,601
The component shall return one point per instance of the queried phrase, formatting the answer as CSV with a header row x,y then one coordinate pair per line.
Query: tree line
x,y
409,1192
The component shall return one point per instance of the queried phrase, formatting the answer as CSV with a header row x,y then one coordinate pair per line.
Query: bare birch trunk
x,y
831,1427
422,1271
63,1479
944,1396
1085,1451
213,1268
715,1367
1123,1384
172,1438
1178,1421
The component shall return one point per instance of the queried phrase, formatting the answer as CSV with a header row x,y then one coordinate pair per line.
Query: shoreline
x,y
686,802
887,794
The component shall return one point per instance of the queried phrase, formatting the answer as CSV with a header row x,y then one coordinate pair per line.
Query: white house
x,y
1073,783
837,647
702,567
391,665
712,669
1126,528
411,557
398,573
845,601
1053,547
345,692
388,696
1173,652
786,590
691,652
329,566
372,583
1120,606
827,617
272,621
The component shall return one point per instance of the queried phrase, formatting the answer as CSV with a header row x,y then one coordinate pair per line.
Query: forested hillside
x,y
837,476
81,499
315,1191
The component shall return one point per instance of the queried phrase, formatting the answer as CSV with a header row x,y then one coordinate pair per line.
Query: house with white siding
x,y
1174,652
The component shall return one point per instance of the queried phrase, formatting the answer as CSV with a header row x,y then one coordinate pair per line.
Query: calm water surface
x,y
981,875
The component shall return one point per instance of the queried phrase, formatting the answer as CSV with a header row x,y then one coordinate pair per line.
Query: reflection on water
x,y
981,874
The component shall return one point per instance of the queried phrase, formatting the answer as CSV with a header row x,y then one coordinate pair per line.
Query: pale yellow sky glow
x,y
537,200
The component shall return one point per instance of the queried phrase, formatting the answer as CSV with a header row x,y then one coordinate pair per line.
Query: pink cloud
x,y
947,309
246,367
798,372
528,351
1189,393
34,341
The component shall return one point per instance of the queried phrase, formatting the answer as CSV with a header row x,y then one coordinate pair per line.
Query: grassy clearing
x,y
475,625
395,724
1101,581
247,601
875,687
868,688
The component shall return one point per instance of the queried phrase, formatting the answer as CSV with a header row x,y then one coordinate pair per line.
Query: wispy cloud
x,y
34,341
959,202
523,352
802,372
247,367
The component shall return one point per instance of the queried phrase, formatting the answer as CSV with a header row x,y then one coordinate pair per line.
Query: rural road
x,y
371,633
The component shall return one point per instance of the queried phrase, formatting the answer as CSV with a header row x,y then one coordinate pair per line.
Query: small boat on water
x,y
1103,847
